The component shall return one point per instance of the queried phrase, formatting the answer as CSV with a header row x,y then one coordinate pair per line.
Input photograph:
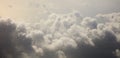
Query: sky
x,y
40,9
59,29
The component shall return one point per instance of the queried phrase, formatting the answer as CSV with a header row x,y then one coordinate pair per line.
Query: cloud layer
x,y
62,36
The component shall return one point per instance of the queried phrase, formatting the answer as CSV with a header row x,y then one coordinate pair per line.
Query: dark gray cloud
x,y
13,41
104,48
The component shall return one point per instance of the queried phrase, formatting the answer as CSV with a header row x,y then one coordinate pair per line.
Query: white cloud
x,y
62,36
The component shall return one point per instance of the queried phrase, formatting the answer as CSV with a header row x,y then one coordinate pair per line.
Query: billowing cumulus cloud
x,y
13,41
62,36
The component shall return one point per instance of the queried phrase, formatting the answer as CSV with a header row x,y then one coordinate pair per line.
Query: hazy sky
x,y
37,9
60,29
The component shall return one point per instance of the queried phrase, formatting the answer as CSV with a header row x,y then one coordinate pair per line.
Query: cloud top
x,y
62,36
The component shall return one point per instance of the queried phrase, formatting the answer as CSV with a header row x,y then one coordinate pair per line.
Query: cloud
x,y
89,22
81,37
62,36
61,54
14,43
